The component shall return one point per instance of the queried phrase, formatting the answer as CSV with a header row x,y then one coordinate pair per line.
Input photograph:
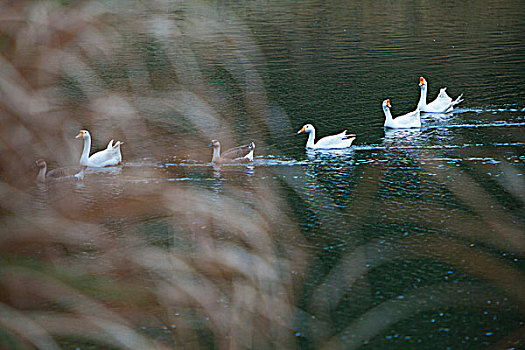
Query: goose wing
x,y
106,157
409,120
238,152
102,156
117,144
62,172
341,140
111,155
443,102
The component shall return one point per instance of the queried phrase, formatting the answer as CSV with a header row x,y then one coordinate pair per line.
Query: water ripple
x,y
497,124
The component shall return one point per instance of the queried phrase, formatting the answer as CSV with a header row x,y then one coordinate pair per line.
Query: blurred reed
x,y
72,277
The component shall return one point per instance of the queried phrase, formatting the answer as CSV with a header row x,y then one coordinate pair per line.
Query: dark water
x,y
415,238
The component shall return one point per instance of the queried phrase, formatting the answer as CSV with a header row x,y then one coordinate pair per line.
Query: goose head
x,y
214,144
41,163
386,104
83,134
422,83
307,128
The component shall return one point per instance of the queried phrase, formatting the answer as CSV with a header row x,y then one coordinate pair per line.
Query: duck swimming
x,y
59,173
241,154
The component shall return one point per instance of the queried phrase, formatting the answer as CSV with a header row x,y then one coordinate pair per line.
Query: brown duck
x,y
241,154
59,173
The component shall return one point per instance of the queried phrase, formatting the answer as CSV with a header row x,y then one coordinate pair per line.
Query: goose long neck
x,y
311,139
85,152
423,97
216,154
42,174
388,114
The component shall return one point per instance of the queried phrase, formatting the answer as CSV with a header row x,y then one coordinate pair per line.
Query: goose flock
x,y
442,104
112,156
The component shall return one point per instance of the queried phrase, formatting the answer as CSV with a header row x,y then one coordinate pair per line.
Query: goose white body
x,y
442,104
338,141
406,121
107,157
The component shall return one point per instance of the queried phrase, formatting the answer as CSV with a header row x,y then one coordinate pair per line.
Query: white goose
x,y
409,120
341,140
239,154
107,157
442,104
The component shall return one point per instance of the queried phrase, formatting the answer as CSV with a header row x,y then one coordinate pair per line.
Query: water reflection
x,y
107,171
438,117
328,156
397,137
242,172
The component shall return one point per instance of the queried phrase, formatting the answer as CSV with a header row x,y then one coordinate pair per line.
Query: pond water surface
x,y
415,238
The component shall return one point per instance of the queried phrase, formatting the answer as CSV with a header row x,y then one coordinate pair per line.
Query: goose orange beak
x,y
388,103
300,131
79,135
421,81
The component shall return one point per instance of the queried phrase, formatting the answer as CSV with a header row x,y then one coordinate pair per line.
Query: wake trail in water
x,y
258,161
493,109
487,125
384,147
